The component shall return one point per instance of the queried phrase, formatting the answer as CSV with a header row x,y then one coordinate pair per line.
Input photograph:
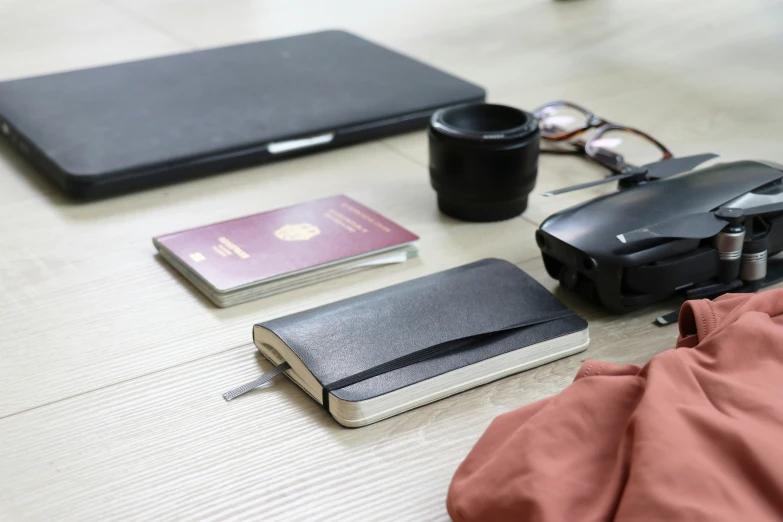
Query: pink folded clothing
x,y
695,434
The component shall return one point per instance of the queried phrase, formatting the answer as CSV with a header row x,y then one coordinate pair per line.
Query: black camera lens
x,y
483,160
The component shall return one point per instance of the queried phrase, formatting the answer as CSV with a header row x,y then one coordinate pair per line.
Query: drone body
x,y
696,234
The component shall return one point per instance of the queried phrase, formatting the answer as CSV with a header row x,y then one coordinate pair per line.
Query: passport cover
x,y
482,302
265,246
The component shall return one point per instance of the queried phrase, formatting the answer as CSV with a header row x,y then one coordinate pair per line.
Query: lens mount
x,y
483,160
484,122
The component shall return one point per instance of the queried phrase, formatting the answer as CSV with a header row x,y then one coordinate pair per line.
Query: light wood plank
x,y
74,34
167,446
113,367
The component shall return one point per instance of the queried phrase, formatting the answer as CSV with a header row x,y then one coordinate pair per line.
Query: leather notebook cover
x,y
388,339
288,240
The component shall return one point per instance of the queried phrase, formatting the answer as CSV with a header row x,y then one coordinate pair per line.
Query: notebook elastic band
x,y
432,352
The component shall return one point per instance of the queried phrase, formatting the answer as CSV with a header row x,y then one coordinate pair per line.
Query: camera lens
x,y
483,160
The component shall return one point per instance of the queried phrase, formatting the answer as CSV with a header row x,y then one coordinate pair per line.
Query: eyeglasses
x,y
616,147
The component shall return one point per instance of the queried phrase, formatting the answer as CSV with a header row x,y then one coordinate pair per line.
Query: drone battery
x,y
729,246
754,260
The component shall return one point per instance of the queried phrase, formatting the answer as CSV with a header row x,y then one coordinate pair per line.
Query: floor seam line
x,y
402,154
123,381
151,24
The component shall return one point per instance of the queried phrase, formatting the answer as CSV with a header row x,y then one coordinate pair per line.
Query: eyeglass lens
x,y
558,120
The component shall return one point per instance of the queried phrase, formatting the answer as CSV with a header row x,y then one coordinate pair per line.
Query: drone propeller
x,y
697,226
652,171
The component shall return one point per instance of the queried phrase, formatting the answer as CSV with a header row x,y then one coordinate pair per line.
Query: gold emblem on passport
x,y
197,257
298,232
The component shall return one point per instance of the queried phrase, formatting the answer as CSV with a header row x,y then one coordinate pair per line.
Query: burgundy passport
x,y
283,242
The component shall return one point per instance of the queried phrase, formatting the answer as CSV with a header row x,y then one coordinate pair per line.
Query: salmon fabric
x,y
695,434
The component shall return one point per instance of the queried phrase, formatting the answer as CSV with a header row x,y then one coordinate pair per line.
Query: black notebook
x,y
378,354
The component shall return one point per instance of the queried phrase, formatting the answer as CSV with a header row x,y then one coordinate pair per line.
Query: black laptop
x,y
115,128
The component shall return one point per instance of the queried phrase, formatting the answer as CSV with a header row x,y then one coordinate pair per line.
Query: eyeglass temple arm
x,y
591,120
609,159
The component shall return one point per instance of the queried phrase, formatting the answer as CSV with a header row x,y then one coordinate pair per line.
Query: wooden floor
x,y
112,366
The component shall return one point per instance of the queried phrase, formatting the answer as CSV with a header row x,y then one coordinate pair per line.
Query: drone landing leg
x,y
704,291
774,276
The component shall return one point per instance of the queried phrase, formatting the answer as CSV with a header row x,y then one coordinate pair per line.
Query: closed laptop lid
x,y
131,116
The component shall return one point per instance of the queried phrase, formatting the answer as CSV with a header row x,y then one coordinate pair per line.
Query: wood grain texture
x,y
113,366
167,445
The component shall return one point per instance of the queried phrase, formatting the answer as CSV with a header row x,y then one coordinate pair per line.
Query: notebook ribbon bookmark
x,y
252,385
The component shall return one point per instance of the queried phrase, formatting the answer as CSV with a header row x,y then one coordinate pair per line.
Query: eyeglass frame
x,y
601,126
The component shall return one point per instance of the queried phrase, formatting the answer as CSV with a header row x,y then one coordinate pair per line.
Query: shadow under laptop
x,y
22,180
207,185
